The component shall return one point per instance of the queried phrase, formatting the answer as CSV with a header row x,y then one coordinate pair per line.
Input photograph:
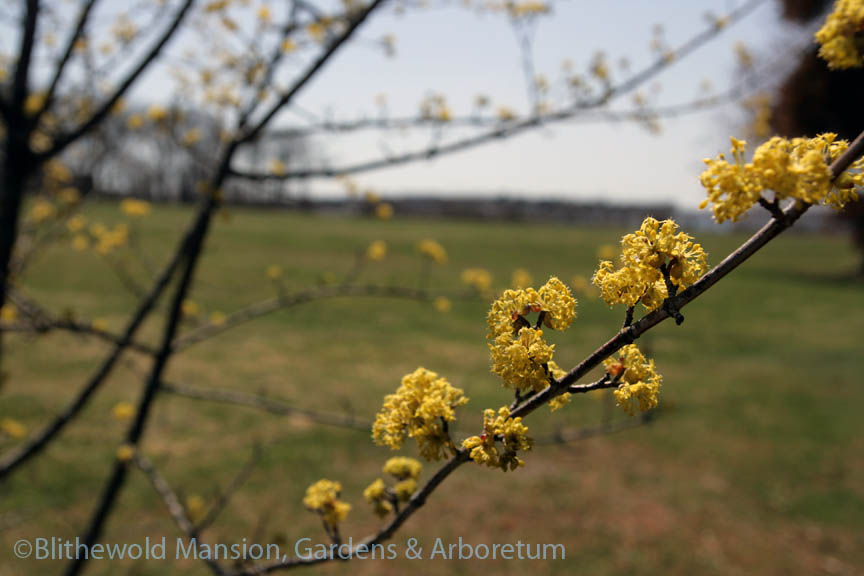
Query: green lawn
x,y
752,465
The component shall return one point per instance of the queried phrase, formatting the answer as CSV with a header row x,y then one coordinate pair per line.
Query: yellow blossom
x,y
278,168
134,207
8,313
607,252
401,467
134,121
477,278
190,308
443,304
655,247
41,211
742,53
317,31
191,137
384,211
274,272
563,399
194,505
69,195
378,495
157,113
125,452
34,103
499,428
640,382
371,197
377,250
553,299
80,242
432,250
791,168
217,318
506,114
123,411
110,240
521,361
323,498
405,489
288,46
840,36
521,278
419,409
13,428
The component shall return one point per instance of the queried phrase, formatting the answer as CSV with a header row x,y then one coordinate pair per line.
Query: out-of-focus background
x,y
752,462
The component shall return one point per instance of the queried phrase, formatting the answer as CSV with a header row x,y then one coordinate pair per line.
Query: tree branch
x,y
63,140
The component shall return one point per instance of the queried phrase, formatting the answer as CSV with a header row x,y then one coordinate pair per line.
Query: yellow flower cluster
x,y
13,428
526,9
107,240
791,168
323,498
378,495
406,471
123,411
521,361
442,304
840,36
432,250
8,313
477,278
125,452
420,409
384,211
644,254
520,356
135,208
640,382
500,427
376,251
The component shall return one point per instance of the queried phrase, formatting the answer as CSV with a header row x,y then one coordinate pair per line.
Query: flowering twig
x,y
568,383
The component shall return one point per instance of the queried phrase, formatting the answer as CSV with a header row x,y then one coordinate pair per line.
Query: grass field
x,y
753,464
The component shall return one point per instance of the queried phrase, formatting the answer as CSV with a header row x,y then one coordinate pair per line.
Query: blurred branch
x,y
34,445
570,435
517,126
266,404
63,140
311,72
284,301
175,508
225,495
80,25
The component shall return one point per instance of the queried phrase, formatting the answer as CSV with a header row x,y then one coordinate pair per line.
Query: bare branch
x,y
175,508
266,404
225,495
